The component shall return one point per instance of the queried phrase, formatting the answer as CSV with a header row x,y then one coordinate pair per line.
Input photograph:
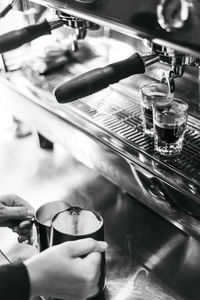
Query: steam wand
x,y
17,38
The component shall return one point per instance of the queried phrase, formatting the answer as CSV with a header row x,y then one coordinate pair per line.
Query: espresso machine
x,y
95,113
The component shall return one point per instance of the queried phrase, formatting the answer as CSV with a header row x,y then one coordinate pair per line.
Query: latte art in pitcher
x,y
77,221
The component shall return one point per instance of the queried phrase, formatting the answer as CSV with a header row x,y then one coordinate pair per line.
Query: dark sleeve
x,y
14,282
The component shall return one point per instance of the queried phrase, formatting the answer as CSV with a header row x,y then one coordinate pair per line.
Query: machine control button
x,y
173,14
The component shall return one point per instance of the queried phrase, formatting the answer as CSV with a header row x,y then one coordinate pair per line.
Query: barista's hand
x,y
16,214
68,271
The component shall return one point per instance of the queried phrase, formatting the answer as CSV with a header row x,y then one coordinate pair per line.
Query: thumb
x,y
85,246
18,213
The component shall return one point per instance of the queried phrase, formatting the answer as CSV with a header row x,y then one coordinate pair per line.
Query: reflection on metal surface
x,y
128,287
139,244
163,252
137,19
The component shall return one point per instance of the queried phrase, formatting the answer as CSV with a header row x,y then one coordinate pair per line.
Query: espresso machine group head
x,y
169,26
79,25
177,61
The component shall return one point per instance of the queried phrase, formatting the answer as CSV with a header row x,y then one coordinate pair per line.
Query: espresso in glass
x,y
151,93
170,119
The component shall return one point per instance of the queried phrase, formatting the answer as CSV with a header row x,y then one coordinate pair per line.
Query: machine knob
x,y
173,14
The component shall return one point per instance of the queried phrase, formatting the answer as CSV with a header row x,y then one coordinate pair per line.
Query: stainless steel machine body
x,y
104,131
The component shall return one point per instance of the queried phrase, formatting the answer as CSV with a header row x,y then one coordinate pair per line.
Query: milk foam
x,y
77,223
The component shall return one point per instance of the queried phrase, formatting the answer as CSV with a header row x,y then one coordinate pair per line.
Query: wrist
x,y
35,277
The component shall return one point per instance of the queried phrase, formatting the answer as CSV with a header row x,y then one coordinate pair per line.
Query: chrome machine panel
x,y
143,19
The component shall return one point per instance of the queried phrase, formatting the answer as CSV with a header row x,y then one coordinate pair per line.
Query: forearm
x,y
14,282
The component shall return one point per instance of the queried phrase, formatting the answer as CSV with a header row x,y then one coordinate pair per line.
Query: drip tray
x,y
121,116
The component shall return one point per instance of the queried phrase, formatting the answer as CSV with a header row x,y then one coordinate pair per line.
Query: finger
x,y
22,238
27,239
31,241
93,259
13,200
26,224
26,232
85,246
17,213
16,229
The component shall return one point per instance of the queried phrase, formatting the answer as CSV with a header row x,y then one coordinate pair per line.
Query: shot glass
x,y
77,223
151,93
170,120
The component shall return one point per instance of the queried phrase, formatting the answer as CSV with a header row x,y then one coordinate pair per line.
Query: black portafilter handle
x,y
4,12
16,38
98,79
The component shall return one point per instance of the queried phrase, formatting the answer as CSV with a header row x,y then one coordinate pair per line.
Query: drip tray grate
x,y
121,115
